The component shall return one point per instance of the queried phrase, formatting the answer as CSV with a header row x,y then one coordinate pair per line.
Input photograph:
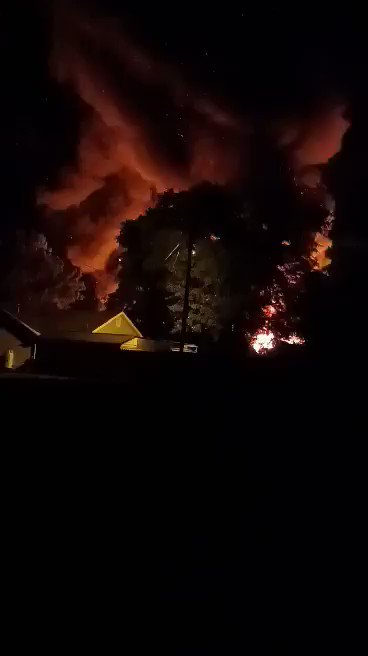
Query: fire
x,y
293,339
309,149
263,340
266,339
269,310
318,258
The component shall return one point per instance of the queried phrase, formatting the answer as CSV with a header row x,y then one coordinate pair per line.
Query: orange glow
x,y
123,158
269,310
313,141
320,138
121,163
318,258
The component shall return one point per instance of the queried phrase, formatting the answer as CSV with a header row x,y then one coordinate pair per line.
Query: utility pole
x,y
184,318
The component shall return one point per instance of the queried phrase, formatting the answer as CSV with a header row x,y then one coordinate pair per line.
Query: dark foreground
x,y
187,507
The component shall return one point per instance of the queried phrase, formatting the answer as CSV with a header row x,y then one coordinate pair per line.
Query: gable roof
x,y
66,323
120,324
21,330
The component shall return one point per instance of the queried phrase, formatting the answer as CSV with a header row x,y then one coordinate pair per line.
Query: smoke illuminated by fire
x,y
126,156
144,130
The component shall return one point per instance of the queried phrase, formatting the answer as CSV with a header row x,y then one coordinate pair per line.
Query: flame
x,y
293,274
263,341
318,258
269,310
310,145
293,338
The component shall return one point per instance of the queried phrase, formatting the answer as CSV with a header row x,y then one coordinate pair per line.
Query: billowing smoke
x,y
144,131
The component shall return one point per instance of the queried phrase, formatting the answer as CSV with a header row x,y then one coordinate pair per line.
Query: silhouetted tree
x,y
208,266
33,276
226,245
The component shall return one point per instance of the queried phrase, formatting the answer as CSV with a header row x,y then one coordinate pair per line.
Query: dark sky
x,y
263,63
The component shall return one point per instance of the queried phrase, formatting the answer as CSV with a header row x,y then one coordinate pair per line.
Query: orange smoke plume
x,y
321,137
311,142
124,158
145,130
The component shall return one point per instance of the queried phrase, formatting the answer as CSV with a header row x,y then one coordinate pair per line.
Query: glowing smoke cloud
x,y
122,161
133,110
